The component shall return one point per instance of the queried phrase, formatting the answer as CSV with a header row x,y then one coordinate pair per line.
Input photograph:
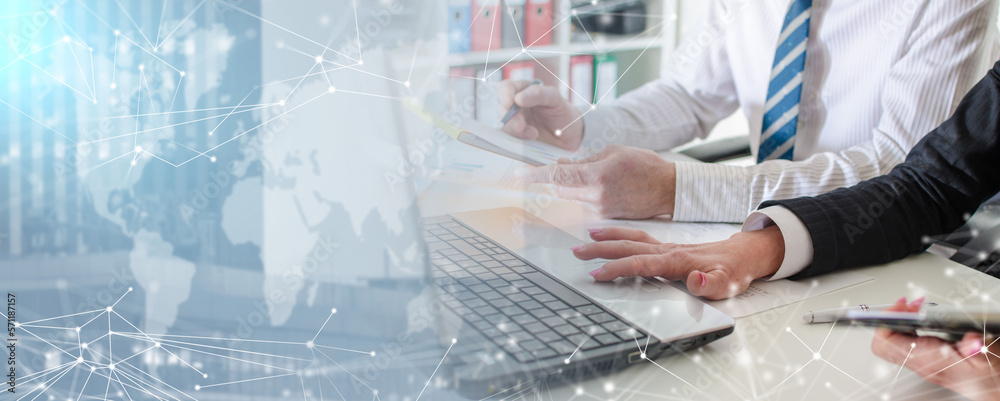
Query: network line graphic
x,y
133,76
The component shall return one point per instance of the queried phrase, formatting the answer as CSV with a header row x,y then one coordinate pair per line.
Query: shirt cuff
x,y
709,192
798,242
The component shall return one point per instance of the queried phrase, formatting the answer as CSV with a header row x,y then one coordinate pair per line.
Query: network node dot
x,y
642,355
566,361
204,375
913,345
593,106
788,329
319,59
984,349
142,67
197,388
309,344
84,345
114,85
66,39
558,132
281,102
108,309
817,356
157,345
372,353
334,310
331,89
111,366
454,340
79,360
210,133
93,368
138,149
183,73
133,163
117,32
579,391
77,329
212,159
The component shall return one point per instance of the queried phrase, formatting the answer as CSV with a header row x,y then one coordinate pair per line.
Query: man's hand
x,y
618,182
545,115
962,367
715,270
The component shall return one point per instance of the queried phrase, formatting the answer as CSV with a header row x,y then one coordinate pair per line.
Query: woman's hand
x,y
714,270
962,367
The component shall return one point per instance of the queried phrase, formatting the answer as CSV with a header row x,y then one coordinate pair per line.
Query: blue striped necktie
x,y
781,112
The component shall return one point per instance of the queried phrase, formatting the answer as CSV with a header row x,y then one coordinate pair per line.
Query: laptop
x,y
516,292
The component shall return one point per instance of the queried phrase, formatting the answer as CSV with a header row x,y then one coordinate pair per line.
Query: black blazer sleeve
x,y
945,177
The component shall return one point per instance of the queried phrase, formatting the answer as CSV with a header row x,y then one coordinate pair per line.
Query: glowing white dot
x,y
334,310
210,133
138,149
642,355
142,67
609,387
204,375
79,360
454,340
117,32
566,361
309,344
157,344
558,132
77,329
133,162
827,384
108,309
281,102
93,368
913,345
212,159
111,366
114,85
130,288
319,59
66,39
406,84
788,329
579,391
362,62
817,356
593,106
183,73
372,353
331,90
197,388
984,349
84,345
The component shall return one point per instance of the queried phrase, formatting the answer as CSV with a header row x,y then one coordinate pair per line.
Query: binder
x,y
486,25
520,71
487,102
605,77
462,92
513,24
537,23
581,80
459,21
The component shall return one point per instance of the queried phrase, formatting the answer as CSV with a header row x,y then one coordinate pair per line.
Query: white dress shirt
x,y
879,75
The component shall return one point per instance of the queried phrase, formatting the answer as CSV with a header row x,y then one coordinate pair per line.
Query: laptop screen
x,y
211,200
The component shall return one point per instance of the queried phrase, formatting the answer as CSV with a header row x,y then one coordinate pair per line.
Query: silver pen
x,y
835,314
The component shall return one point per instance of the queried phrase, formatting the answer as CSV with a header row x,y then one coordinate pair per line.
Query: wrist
x,y
765,247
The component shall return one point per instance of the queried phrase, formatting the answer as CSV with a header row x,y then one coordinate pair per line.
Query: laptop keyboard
x,y
520,309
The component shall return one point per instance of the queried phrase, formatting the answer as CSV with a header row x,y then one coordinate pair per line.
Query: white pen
x,y
835,314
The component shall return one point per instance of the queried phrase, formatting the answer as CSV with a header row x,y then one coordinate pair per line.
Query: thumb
x,y
713,285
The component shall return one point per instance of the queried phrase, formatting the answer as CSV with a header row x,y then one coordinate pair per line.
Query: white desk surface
x,y
761,359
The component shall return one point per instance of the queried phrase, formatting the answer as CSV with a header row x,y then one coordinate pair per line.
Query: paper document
x,y
765,295
474,133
